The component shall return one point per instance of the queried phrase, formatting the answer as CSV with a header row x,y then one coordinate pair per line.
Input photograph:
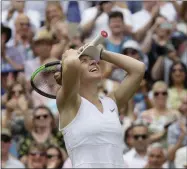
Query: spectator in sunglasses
x,y
177,84
159,117
55,158
16,102
37,156
8,161
156,156
43,131
136,157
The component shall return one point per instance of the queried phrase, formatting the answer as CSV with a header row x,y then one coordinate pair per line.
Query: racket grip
x,y
99,39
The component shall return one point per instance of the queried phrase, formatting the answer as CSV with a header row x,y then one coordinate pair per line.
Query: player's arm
x,y
131,83
68,93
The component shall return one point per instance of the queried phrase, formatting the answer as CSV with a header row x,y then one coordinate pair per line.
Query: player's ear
x,y
58,78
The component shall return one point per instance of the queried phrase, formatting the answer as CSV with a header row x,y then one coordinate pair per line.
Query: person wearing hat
x,y
42,45
8,161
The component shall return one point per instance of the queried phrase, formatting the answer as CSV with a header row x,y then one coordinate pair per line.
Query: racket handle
x,y
99,39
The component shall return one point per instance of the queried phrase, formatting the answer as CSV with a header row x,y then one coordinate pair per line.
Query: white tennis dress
x,y
94,139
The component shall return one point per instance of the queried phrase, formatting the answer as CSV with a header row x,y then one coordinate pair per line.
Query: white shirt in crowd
x,y
134,160
181,157
142,17
102,21
13,163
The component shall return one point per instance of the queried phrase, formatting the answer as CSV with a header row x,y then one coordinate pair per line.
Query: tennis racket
x,y
43,81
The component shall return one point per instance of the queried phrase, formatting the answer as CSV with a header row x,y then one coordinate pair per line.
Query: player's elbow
x,y
140,71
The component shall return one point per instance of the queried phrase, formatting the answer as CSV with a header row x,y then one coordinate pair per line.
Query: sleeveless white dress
x,y
94,139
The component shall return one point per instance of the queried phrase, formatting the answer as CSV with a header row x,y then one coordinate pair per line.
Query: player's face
x,y
90,69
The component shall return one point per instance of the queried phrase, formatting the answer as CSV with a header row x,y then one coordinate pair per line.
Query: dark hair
x,y
171,83
9,93
60,155
127,134
183,9
115,14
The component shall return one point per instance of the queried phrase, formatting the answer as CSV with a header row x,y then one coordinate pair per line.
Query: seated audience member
x,y
181,158
42,45
117,38
136,157
156,156
43,131
159,117
177,84
23,36
37,157
16,103
55,157
95,19
8,161
11,58
53,13
18,7
177,132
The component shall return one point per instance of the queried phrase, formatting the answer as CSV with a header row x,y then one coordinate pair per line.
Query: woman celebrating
x,y
91,126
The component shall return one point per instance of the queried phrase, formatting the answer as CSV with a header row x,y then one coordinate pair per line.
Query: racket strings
x,y
45,81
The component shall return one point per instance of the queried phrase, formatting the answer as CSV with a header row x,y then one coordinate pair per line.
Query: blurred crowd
x,y
155,120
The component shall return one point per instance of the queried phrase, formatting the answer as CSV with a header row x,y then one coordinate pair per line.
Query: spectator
x,y
43,131
53,13
42,45
55,157
36,156
177,84
156,156
159,117
8,161
16,103
143,19
23,36
18,7
11,57
95,19
116,24
136,157
177,133
181,158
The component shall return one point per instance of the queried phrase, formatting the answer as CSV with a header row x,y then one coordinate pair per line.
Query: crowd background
x,y
154,121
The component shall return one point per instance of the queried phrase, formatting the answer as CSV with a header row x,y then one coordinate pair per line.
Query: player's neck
x,y
90,93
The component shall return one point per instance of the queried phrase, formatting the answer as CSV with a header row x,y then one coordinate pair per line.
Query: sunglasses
x,y
160,93
45,116
143,136
130,51
49,156
38,153
5,138
17,91
180,70
25,24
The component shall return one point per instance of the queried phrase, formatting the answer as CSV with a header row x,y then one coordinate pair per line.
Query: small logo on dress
x,y
112,110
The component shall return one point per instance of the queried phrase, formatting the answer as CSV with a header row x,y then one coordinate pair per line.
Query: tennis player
x,y
91,126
